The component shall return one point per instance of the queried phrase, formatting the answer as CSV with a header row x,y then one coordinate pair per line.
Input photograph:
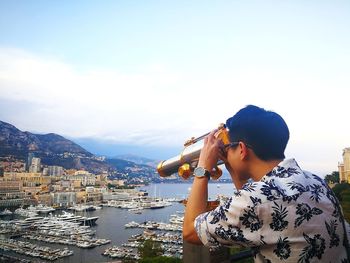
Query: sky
x,y
144,76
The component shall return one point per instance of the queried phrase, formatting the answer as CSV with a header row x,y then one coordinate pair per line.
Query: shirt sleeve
x,y
234,222
347,226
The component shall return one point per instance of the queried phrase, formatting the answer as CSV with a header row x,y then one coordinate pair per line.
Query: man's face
x,y
235,165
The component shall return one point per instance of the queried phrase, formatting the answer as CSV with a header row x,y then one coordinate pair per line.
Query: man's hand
x,y
212,150
197,201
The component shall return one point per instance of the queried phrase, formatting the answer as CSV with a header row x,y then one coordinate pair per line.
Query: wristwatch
x,y
200,172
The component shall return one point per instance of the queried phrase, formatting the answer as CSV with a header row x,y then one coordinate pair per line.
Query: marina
x,y
67,232
32,250
116,230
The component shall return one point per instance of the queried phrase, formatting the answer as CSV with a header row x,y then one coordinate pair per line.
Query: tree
x,y
150,249
339,189
161,259
332,178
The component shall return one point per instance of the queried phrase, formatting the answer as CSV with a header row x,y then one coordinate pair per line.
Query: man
x,y
283,213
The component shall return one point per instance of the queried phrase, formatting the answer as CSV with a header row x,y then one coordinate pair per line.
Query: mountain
x,y
121,150
17,143
53,149
138,159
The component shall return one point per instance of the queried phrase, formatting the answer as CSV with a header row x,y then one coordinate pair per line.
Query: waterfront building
x,y
11,194
64,199
122,195
344,167
35,166
81,196
94,194
45,199
117,196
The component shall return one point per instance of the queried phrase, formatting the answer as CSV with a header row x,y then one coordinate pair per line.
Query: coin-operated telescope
x,y
187,160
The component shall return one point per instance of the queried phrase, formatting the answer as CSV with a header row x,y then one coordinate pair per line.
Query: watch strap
x,y
203,172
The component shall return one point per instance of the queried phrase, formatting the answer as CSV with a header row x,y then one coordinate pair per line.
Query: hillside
x,y
138,159
17,143
54,149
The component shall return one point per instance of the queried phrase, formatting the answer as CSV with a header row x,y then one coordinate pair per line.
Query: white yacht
x,y
41,209
69,217
5,212
25,213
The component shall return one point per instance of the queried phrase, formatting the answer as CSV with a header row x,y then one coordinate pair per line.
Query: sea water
x,y
111,222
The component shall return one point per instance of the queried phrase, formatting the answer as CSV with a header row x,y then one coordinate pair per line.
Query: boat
x,y
132,224
82,208
25,213
41,209
85,244
137,210
175,219
5,212
69,217
89,220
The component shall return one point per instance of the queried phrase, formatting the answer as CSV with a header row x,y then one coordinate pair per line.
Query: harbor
x,y
92,241
116,234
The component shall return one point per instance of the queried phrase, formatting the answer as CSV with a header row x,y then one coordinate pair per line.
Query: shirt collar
x,y
284,169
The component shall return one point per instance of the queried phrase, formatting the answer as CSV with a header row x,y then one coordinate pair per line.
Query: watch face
x,y
199,172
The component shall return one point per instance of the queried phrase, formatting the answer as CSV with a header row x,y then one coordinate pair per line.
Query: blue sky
x,y
151,74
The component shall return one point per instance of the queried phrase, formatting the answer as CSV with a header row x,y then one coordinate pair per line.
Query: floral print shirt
x,y
288,216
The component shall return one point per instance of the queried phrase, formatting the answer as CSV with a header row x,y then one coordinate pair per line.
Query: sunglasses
x,y
234,144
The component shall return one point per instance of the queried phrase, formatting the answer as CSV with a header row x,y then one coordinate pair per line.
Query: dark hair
x,y
265,131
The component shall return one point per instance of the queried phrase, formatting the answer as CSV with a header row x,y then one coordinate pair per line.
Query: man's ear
x,y
243,151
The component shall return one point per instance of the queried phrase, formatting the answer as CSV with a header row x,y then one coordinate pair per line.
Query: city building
x,y
344,167
32,190
29,161
35,166
45,199
85,179
45,171
11,194
64,199
55,170
94,194
101,179
81,196
117,182
28,179
122,194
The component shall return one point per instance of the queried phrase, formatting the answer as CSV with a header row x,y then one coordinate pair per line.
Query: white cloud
x,y
159,106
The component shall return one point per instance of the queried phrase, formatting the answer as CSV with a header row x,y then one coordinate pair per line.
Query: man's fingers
x,y
222,157
205,139
211,136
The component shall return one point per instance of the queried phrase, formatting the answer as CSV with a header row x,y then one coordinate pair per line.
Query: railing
x,y
201,254
242,255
